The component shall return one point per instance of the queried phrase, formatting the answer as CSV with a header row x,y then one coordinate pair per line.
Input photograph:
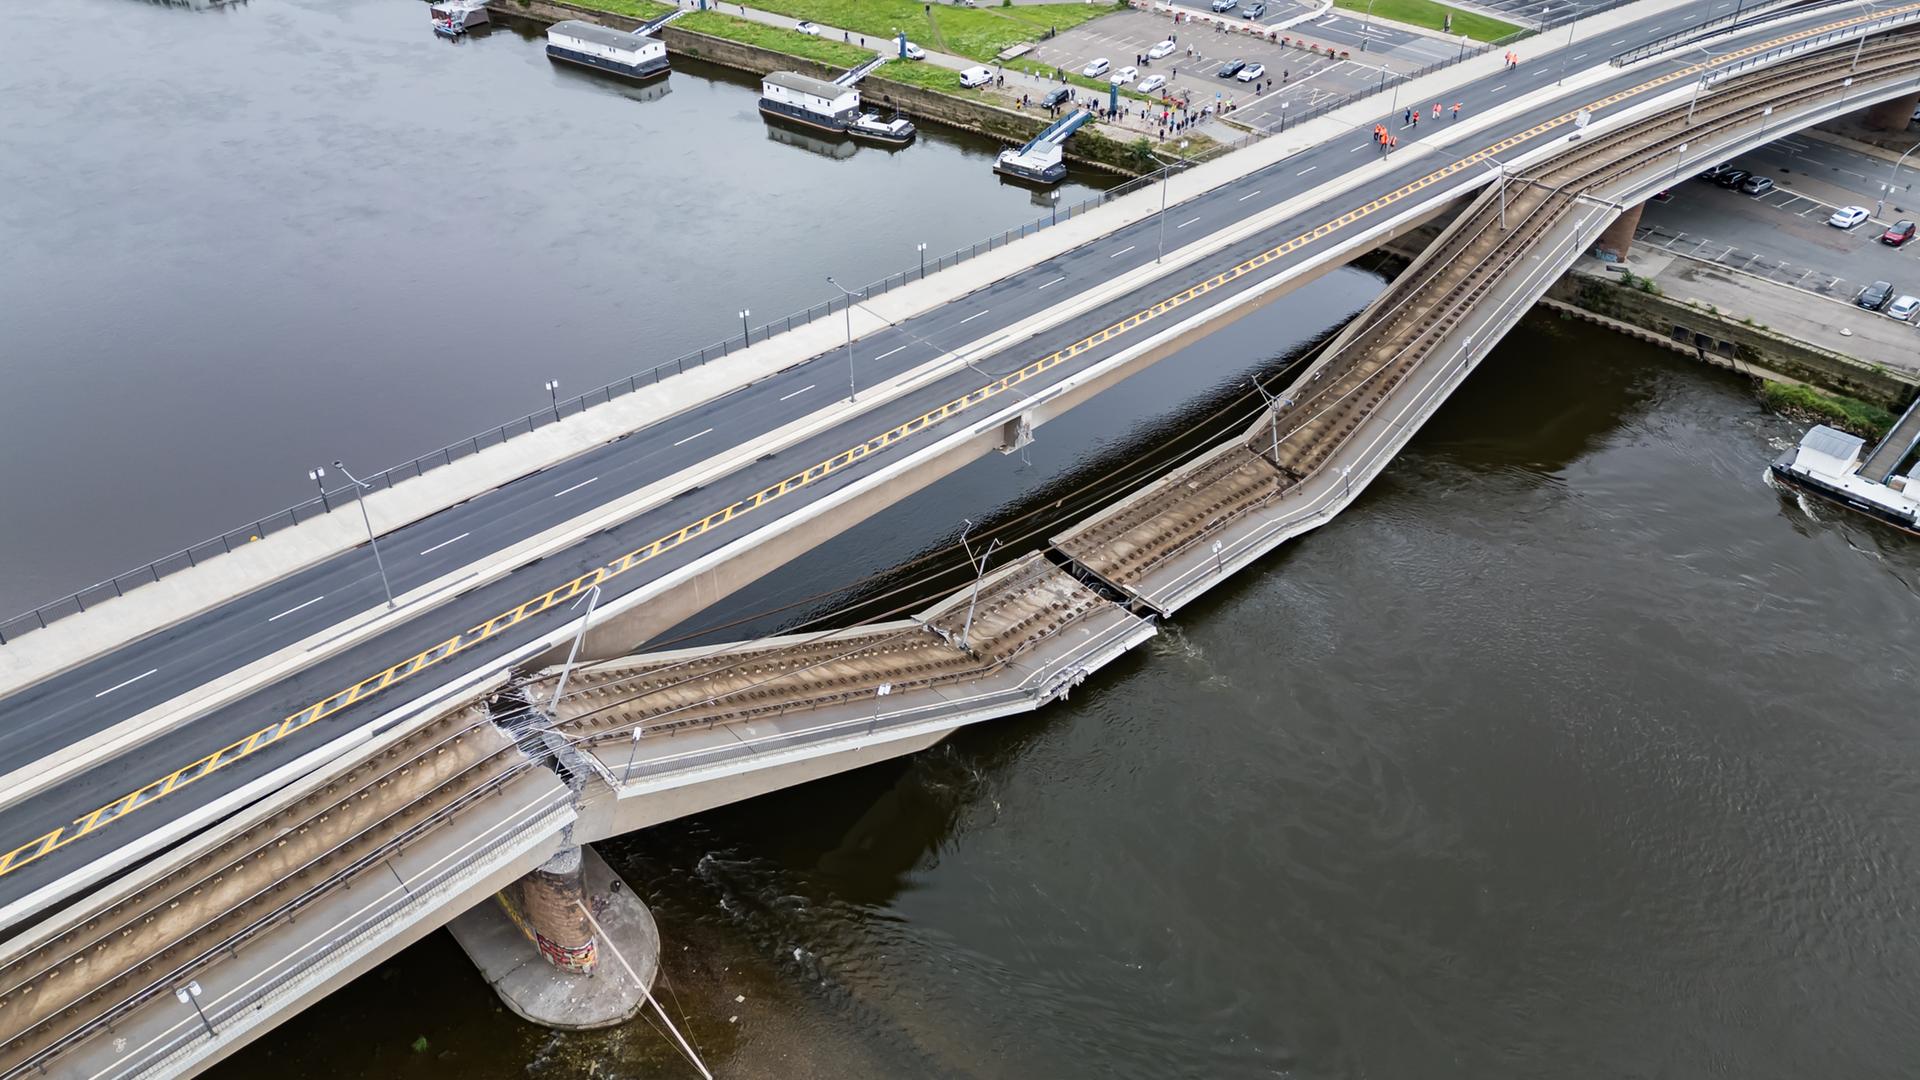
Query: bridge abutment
x,y
1618,239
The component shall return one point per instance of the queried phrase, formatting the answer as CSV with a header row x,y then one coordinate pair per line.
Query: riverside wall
x,y
1734,343
1008,126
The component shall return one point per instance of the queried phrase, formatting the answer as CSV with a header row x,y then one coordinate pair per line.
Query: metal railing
x,y
1700,31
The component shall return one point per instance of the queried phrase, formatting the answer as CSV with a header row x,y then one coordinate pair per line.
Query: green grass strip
x,y
1859,417
1433,15
633,9
791,42
979,33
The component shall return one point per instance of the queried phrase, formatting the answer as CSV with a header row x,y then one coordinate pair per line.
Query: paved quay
x,y
1835,325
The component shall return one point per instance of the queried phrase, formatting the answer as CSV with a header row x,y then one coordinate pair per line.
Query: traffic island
x,y
566,947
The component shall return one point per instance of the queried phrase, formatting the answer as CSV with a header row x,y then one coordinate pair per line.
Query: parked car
x,y
1875,296
1847,217
1903,308
1097,68
1757,185
1225,5
806,27
1151,83
1900,233
1256,9
1714,173
1733,178
1231,68
915,52
1251,72
1164,48
1124,76
1058,95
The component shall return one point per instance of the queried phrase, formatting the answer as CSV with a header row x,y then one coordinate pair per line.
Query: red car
x,y
1901,232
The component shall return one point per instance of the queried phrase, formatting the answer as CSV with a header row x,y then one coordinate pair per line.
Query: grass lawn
x,y
635,9
930,76
791,42
1432,15
978,32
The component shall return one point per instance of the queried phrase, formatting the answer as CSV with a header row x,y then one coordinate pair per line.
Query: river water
x,y
1570,750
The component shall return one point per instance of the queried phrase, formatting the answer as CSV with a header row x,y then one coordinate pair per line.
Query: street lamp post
x,y
560,687
319,477
1054,197
1503,189
190,995
553,396
1166,170
1571,23
1894,175
745,334
359,496
1366,26
923,260
852,393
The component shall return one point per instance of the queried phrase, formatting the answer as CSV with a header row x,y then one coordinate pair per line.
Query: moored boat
x,y
630,56
452,18
899,131
810,102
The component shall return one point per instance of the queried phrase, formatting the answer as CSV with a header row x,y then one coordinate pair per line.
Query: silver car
x,y
1903,308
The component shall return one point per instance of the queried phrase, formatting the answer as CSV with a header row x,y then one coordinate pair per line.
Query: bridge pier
x,y
1618,239
564,945
1890,115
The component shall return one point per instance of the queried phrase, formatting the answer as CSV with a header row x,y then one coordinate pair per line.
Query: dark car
x,y
1055,97
1714,173
1231,68
1733,178
1900,233
1875,296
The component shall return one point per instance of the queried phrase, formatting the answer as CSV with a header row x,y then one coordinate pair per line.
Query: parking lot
x,y
1783,234
1299,79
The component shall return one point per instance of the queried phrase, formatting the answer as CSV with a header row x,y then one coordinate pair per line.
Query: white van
x,y
975,76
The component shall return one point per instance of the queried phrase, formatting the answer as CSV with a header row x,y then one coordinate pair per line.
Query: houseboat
x,y
455,17
809,102
630,56
898,131
1828,466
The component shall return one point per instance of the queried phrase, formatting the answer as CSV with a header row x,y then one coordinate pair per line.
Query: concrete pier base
x,y
543,993
1618,239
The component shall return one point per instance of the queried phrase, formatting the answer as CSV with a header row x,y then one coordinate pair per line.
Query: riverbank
x,y
757,48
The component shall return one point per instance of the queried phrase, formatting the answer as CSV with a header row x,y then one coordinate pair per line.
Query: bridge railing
x,y
1700,31
331,499
378,915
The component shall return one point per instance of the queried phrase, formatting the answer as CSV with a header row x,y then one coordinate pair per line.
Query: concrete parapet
x,y
1893,114
588,899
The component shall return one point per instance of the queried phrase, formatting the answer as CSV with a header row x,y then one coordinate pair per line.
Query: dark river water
x,y
1570,750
